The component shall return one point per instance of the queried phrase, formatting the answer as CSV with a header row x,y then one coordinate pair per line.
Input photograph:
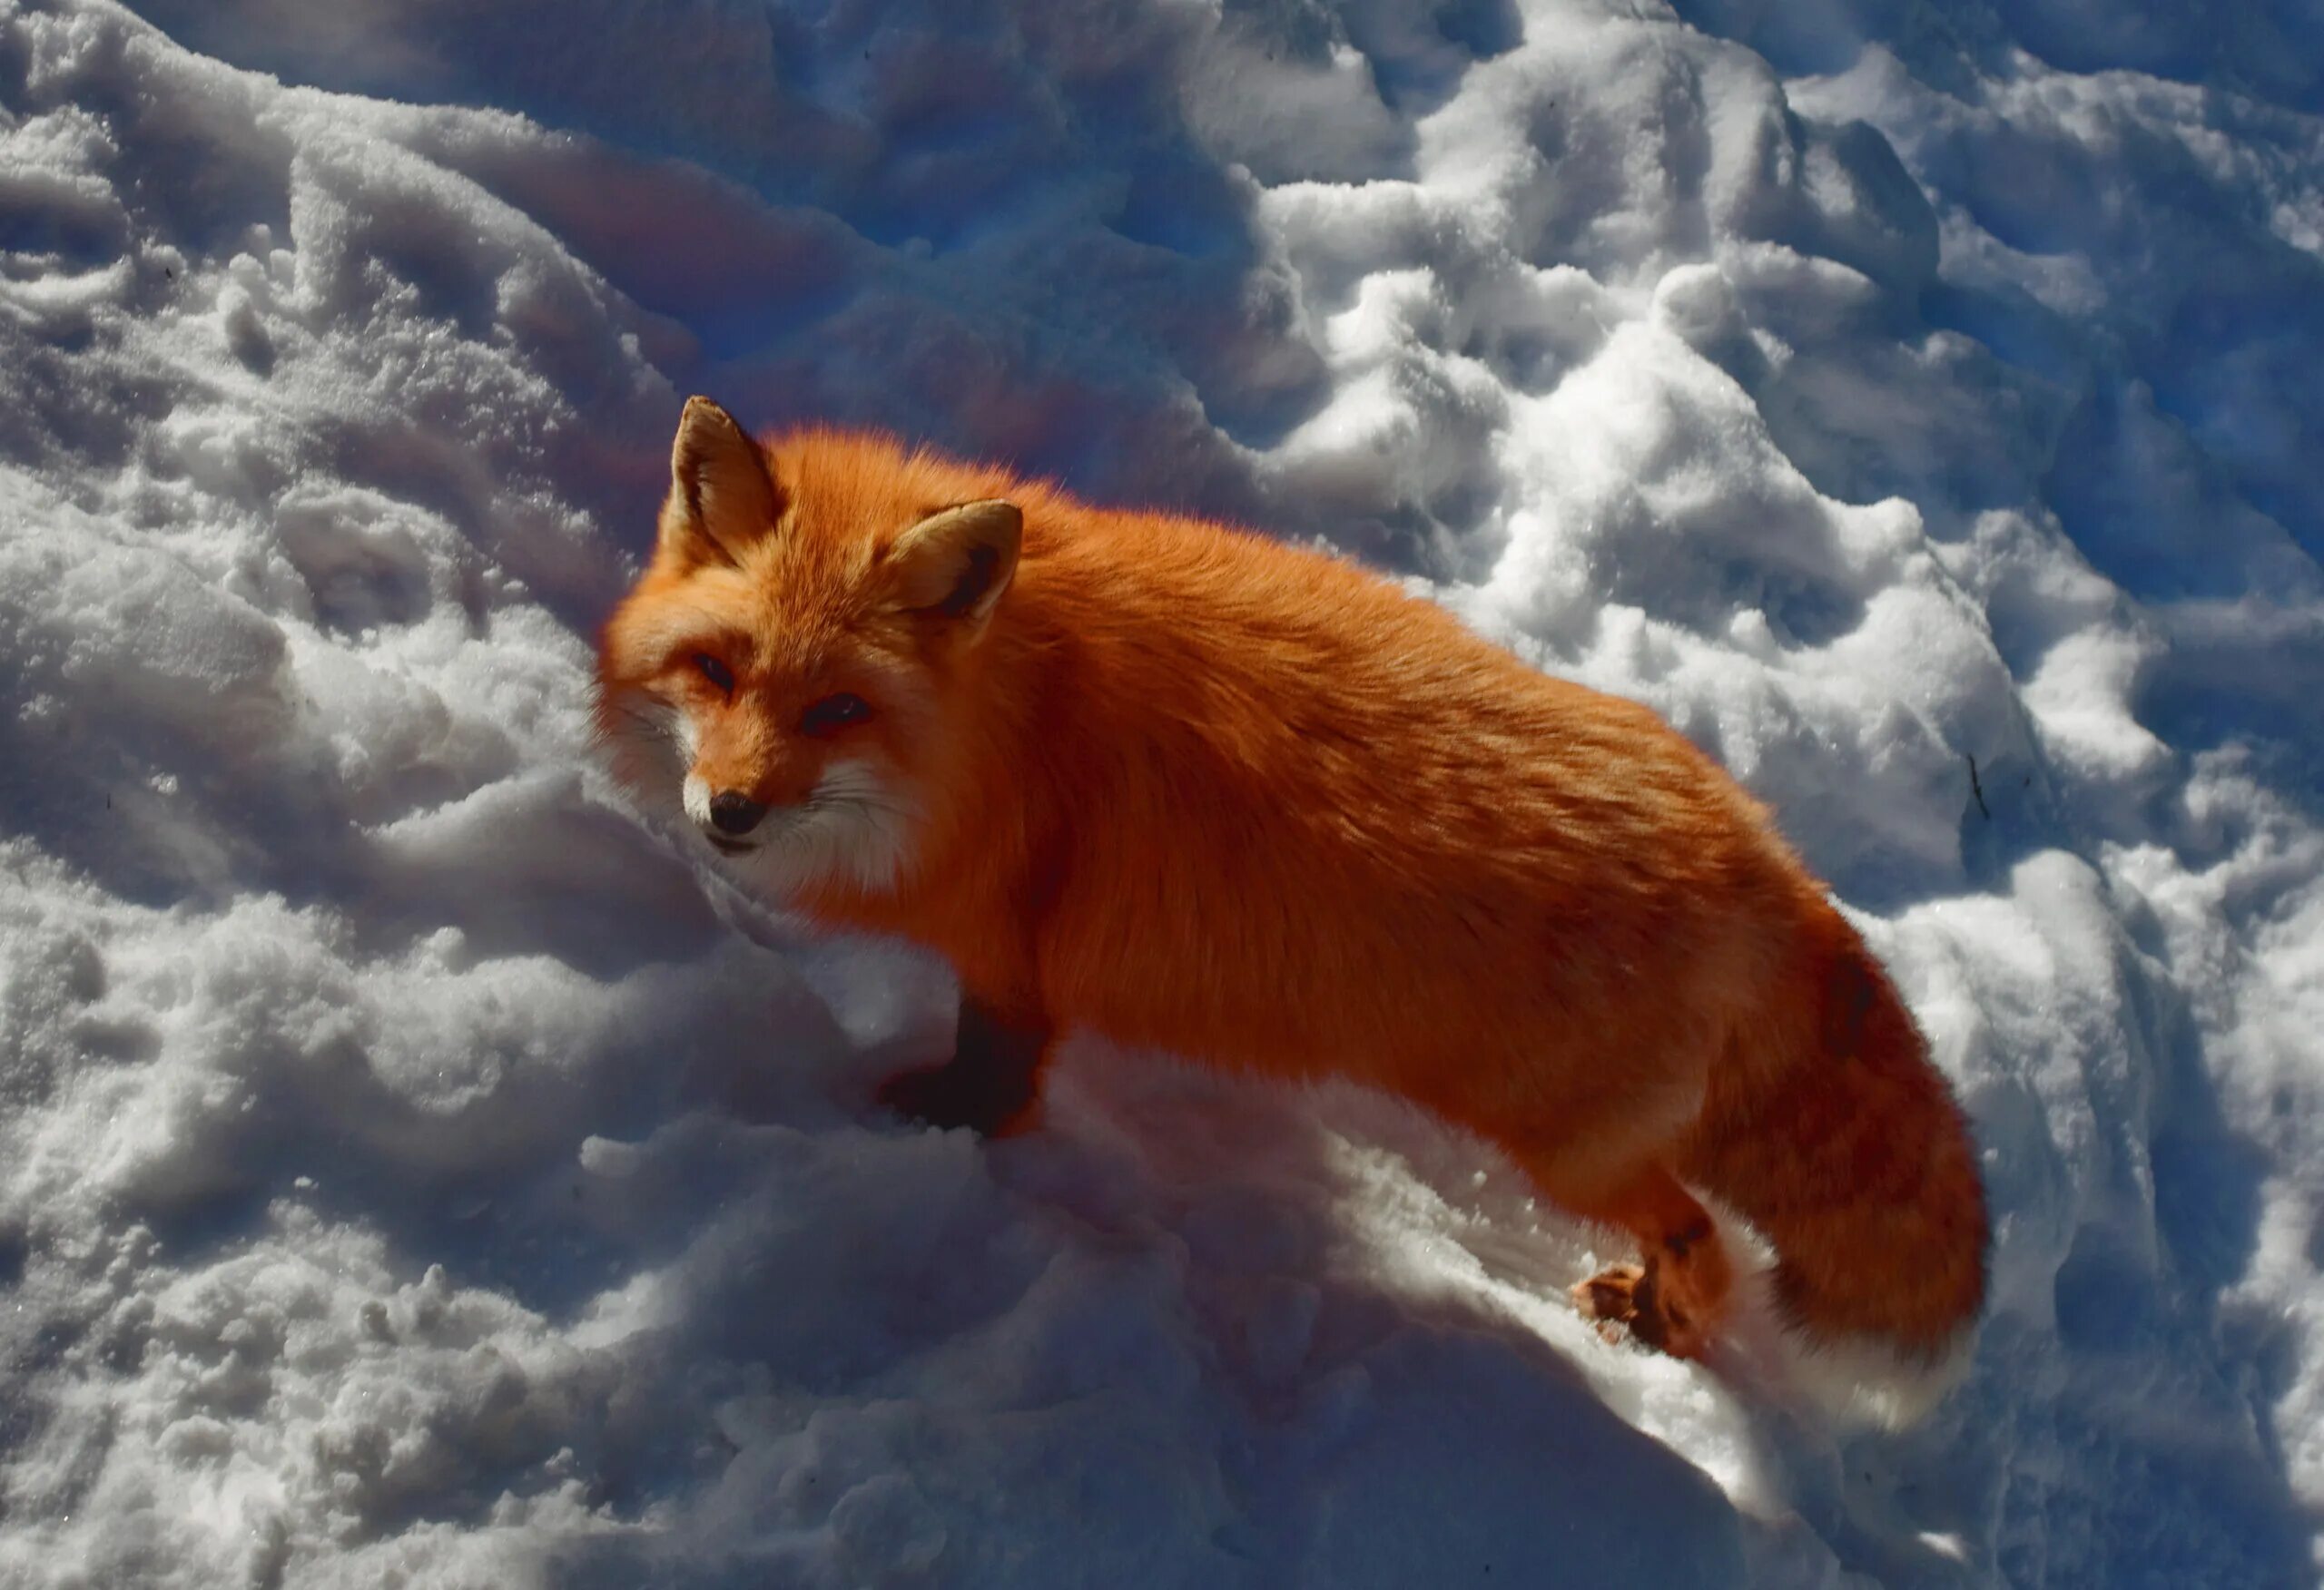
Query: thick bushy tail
x,y
1830,1130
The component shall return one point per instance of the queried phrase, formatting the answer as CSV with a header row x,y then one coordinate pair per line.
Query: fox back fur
x,y
1190,788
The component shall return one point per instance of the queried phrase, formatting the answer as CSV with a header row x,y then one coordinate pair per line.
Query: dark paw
x,y
954,1095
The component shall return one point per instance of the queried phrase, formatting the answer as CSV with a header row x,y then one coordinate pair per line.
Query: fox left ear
x,y
956,562
721,496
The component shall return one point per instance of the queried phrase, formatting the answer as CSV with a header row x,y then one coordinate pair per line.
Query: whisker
x,y
657,724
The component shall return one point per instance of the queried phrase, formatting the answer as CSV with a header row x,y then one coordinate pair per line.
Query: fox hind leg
x,y
1605,1161
1675,1298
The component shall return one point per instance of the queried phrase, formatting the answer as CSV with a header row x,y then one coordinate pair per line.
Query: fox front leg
x,y
992,1083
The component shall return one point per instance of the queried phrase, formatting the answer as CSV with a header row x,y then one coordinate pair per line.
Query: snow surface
x,y
415,1170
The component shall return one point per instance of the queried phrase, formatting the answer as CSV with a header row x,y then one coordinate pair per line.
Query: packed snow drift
x,y
415,1169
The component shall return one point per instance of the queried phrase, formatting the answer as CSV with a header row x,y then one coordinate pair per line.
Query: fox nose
x,y
733,812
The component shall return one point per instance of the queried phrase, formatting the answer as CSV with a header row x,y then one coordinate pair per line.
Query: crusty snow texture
x,y
414,1169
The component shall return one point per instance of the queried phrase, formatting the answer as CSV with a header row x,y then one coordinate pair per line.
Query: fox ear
x,y
956,562
721,496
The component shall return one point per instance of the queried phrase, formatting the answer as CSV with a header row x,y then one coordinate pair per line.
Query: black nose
x,y
733,812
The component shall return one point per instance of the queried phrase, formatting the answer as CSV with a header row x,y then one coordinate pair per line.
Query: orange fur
x,y
1189,787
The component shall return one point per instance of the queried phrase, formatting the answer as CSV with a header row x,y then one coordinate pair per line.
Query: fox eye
x,y
717,672
833,713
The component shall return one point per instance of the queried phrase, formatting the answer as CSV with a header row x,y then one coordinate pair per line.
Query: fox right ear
x,y
721,496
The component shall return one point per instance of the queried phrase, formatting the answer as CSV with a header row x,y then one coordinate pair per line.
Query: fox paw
x,y
1631,1296
954,1095
1611,1298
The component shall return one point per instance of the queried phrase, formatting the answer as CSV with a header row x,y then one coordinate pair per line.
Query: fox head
x,y
789,674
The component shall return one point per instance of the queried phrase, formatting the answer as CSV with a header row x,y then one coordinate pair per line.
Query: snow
x,y
415,1169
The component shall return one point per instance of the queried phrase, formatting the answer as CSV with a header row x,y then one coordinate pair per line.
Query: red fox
x,y
1192,788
